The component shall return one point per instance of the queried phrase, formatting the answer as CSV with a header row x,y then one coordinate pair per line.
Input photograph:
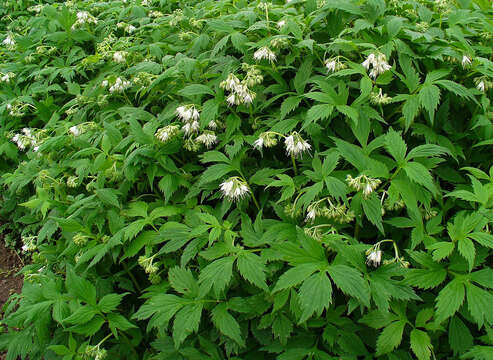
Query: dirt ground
x,y
10,264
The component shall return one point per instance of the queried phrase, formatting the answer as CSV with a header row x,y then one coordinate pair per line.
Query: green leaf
x,y
226,323
350,281
315,295
186,322
302,75
252,268
459,336
80,287
183,281
108,196
295,276
373,211
442,249
195,89
449,300
110,302
429,97
395,146
410,110
421,344
216,275
479,304
289,104
467,250
390,338
418,173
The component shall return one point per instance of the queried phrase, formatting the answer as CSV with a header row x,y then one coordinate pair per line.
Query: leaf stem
x,y
294,165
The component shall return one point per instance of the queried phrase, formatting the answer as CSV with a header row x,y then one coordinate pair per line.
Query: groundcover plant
x,y
248,180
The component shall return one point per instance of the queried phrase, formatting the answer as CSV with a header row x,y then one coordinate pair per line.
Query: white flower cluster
x,y
83,17
80,129
266,139
166,133
363,182
240,93
156,14
119,86
6,77
29,243
207,138
129,28
9,42
264,53
28,137
72,181
335,211
334,64
466,61
36,8
95,352
295,144
374,256
80,239
120,57
234,188
380,98
281,24
378,63
483,83
190,116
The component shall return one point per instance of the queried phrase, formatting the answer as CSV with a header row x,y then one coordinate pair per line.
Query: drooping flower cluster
x,y
29,243
363,182
264,53
28,137
266,139
36,8
95,353
189,115
234,188
374,256
240,93
379,98
120,57
296,145
6,77
77,130
80,240
483,83
118,86
72,181
334,64
166,133
9,42
327,207
128,28
147,264
466,61
207,138
83,17
378,63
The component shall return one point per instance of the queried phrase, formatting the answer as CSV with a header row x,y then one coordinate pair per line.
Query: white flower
x,y
187,113
164,134
207,138
119,86
367,189
119,56
374,257
480,86
191,127
281,23
370,61
311,215
104,83
74,130
9,41
130,28
378,63
212,125
264,53
466,61
295,145
230,83
234,188
259,143
231,99
331,65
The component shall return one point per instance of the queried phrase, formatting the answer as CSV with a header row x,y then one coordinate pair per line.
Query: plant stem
x,y
294,165
132,277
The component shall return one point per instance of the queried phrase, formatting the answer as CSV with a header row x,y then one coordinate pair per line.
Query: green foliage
x,y
233,179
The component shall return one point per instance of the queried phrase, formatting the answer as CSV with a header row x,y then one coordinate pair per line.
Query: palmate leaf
x,y
350,281
252,268
216,275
